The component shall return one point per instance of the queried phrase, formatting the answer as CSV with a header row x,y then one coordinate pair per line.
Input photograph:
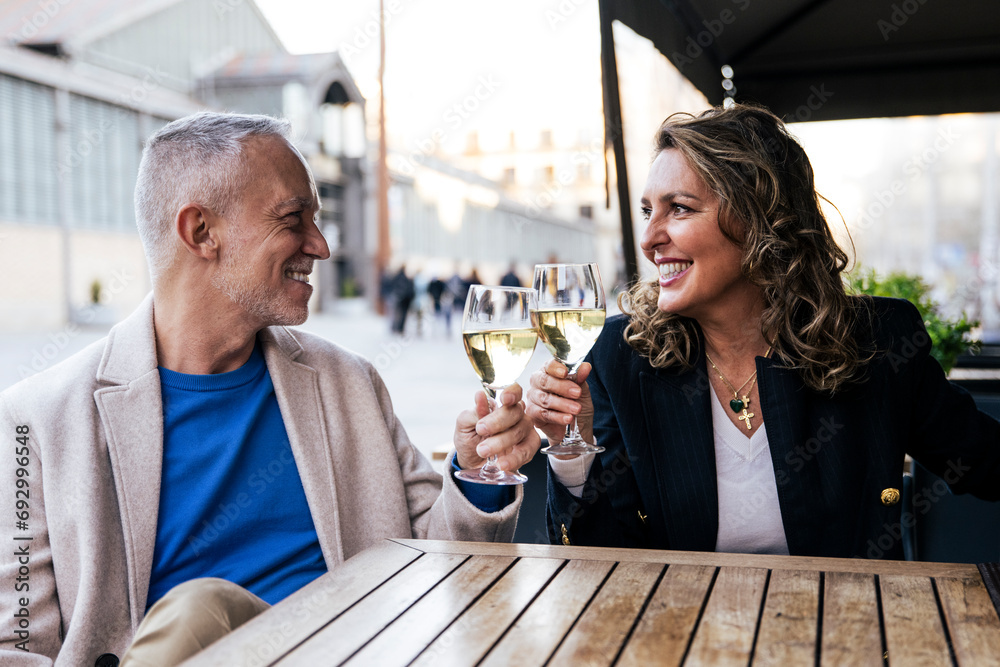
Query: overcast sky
x,y
529,59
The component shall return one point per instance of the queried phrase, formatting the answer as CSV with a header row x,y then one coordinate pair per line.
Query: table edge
x,y
718,559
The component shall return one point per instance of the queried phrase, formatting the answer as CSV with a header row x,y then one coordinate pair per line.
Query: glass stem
x,y
490,469
572,428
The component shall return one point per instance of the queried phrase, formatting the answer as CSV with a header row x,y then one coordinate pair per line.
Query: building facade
x,y
83,83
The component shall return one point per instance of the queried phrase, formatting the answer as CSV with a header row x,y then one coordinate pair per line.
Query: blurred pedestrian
x,y
441,297
510,278
403,292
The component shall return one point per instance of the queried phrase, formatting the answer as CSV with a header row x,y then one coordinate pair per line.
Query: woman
x,y
745,401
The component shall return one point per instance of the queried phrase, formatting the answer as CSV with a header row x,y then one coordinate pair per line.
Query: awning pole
x,y
613,133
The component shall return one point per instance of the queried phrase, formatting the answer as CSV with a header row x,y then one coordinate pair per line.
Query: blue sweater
x,y
231,501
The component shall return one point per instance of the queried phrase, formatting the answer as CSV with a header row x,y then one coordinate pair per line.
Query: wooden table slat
x,y
409,634
972,621
765,561
790,620
599,633
263,639
663,634
547,620
851,634
914,633
355,627
726,631
473,634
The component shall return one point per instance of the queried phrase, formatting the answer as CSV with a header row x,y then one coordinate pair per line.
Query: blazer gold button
x,y
890,496
565,535
642,517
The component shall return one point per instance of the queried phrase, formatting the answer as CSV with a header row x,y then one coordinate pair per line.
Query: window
x,y
546,138
509,176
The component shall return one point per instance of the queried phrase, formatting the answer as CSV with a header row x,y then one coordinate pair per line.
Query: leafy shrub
x,y
949,338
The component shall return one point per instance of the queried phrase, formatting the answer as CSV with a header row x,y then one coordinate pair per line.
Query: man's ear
x,y
198,229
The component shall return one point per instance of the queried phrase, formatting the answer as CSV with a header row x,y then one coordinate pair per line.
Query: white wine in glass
x,y
569,318
499,339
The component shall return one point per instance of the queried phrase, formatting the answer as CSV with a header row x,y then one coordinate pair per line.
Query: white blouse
x,y
749,515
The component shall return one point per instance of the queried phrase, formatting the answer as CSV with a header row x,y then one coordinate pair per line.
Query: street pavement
x,y
426,370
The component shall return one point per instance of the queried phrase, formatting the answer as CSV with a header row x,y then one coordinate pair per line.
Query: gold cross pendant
x,y
745,417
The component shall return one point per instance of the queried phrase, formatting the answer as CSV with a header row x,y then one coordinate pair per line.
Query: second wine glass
x,y
569,318
499,338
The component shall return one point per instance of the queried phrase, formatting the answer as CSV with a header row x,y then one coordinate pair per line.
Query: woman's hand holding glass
x,y
569,318
554,399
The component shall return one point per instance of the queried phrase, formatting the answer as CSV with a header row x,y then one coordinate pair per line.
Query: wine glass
x,y
569,318
499,339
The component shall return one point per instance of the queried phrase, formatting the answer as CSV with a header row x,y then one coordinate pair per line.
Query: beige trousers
x,y
188,618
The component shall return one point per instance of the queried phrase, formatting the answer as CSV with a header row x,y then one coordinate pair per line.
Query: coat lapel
x,y
132,415
782,397
678,416
313,443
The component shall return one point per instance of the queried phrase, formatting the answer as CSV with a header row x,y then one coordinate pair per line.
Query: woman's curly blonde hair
x,y
770,209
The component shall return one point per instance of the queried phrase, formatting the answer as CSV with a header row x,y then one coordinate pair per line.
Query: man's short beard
x,y
235,280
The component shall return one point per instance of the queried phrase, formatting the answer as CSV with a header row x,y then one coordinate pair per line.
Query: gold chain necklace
x,y
736,403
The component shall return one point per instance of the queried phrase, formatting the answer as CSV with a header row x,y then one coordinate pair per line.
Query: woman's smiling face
x,y
699,267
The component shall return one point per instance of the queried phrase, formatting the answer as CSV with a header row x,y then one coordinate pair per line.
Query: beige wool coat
x,y
92,465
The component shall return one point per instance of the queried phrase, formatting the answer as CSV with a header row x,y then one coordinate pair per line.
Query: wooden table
x,y
464,603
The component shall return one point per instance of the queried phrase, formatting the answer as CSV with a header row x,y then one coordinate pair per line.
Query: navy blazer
x,y
655,485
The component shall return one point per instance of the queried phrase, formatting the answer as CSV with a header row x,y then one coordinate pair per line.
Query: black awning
x,y
832,59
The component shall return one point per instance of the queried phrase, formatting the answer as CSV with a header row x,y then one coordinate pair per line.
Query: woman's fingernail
x,y
483,452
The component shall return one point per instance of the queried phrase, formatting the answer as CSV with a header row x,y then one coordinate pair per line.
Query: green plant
x,y
348,288
95,292
949,338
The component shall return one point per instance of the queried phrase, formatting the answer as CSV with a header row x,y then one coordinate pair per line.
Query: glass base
x,y
500,478
570,448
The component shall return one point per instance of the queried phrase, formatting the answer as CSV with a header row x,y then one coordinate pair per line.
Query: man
x,y
202,438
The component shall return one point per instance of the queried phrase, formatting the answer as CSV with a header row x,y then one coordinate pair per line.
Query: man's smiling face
x,y
270,238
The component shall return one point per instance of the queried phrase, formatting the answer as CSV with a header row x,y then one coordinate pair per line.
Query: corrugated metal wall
x,y
27,152
183,39
105,147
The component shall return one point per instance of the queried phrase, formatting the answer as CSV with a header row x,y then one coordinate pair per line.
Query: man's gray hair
x,y
196,159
